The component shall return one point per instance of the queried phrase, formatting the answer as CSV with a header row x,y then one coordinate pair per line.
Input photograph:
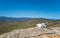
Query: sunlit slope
x,y
6,26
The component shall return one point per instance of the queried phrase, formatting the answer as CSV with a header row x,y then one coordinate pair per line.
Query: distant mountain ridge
x,y
11,19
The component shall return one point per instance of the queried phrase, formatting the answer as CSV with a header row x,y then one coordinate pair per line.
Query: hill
x,y
8,24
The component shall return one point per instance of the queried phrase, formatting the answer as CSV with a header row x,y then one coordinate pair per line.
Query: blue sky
x,y
30,8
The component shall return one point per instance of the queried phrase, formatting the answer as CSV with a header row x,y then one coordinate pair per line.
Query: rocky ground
x,y
35,32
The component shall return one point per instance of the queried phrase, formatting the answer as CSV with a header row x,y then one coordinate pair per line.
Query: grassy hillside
x,y
9,26
56,23
4,29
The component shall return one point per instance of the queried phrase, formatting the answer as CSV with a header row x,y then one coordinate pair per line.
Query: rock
x,y
33,33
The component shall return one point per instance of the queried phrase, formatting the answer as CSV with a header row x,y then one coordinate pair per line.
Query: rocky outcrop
x,y
33,33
